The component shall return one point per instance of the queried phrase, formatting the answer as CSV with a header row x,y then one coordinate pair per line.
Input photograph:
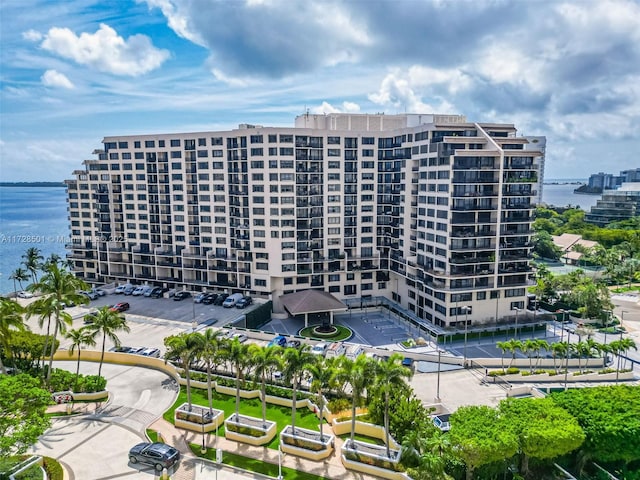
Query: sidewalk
x,y
331,467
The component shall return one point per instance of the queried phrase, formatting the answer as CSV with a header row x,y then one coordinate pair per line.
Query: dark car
x,y
181,296
244,302
160,455
120,307
157,292
280,341
209,298
220,299
294,344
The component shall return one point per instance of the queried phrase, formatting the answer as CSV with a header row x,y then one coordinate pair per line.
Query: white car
x,y
319,348
25,294
139,291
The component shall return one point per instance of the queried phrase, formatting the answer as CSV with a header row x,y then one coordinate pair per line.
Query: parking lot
x,y
166,308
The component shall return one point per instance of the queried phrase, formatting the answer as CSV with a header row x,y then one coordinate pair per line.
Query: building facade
x,y
616,205
431,211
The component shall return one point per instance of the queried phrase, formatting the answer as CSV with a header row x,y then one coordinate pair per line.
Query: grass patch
x,y
250,407
153,435
362,438
343,333
255,465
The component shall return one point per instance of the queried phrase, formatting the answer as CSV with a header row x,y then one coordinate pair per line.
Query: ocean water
x,y
30,217
561,195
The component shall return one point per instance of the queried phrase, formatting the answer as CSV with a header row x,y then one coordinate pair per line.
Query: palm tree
x,y
19,274
322,375
542,344
264,361
627,344
108,323
390,374
59,287
210,343
79,338
503,349
10,320
183,348
529,347
295,360
32,258
360,374
558,349
236,353
512,346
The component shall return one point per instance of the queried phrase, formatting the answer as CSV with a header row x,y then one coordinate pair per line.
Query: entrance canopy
x,y
311,301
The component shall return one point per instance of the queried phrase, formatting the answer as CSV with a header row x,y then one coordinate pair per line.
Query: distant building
x,y
616,205
602,181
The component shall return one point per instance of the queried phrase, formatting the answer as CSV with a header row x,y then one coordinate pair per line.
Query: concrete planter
x,y
372,459
571,378
250,430
306,443
198,419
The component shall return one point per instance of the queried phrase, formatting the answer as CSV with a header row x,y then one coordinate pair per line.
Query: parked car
x,y
209,298
157,292
91,294
209,322
129,289
89,318
25,294
319,348
99,292
179,296
408,362
231,300
120,307
141,290
120,289
220,299
150,352
120,349
160,455
335,349
280,341
294,344
199,297
240,336
244,302
354,351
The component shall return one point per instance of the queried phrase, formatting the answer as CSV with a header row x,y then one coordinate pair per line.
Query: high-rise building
x,y
431,211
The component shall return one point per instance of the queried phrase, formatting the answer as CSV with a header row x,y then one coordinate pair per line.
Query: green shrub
x,y
244,430
53,468
303,443
63,380
513,371
339,404
376,462
496,373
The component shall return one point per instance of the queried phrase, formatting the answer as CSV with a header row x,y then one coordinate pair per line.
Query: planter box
x,y
250,430
372,459
198,419
571,378
306,443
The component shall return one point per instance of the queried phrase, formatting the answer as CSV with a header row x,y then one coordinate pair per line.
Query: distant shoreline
x,y
32,184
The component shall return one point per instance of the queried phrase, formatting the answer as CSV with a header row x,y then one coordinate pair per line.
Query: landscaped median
x,y
515,375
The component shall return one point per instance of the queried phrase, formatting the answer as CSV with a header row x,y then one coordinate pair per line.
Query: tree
x,y
10,320
31,260
322,375
79,338
513,346
390,374
558,350
209,344
107,323
25,348
544,247
264,360
23,404
503,349
541,344
359,373
183,348
627,344
544,429
20,275
59,288
529,347
236,353
294,361
480,437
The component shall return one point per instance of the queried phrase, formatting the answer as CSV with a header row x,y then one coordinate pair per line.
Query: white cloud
x,y
326,107
53,78
32,35
106,51
177,19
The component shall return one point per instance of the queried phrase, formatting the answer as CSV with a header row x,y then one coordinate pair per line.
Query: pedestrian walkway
x,y
330,468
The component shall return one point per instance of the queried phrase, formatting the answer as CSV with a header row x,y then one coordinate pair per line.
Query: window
x,y
149,144
175,143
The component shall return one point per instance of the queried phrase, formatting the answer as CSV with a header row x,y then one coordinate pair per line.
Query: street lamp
x,y
280,462
566,369
517,310
438,381
467,309
622,312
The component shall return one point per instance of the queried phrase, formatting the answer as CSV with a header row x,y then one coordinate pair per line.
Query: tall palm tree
x,y
19,274
58,287
264,361
360,374
542,344
10,320
183,348
322,375
558,350
627,344
294,360
79,337
529,347
236,353
210,344
390,374
32,259
503,349
513,346
107,323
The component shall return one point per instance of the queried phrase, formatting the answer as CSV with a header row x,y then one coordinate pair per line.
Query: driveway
x,y
95,446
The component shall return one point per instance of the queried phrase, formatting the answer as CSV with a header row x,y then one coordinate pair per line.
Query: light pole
x,y
622,312
566,369
517,310
466,327
438,381
279,462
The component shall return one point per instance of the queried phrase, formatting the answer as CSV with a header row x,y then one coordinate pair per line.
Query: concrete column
x,y
331,317
306,320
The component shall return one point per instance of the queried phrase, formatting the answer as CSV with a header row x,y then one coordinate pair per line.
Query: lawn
x,y
250,407
254,465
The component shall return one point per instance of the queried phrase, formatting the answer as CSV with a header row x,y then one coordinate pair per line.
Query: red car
x,y
120,307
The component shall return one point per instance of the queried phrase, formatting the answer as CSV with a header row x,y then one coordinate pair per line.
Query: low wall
x,y
363,428
372,470
269,434
545,363
560,378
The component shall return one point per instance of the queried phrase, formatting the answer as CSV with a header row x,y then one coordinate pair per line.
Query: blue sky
x,y
75,71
